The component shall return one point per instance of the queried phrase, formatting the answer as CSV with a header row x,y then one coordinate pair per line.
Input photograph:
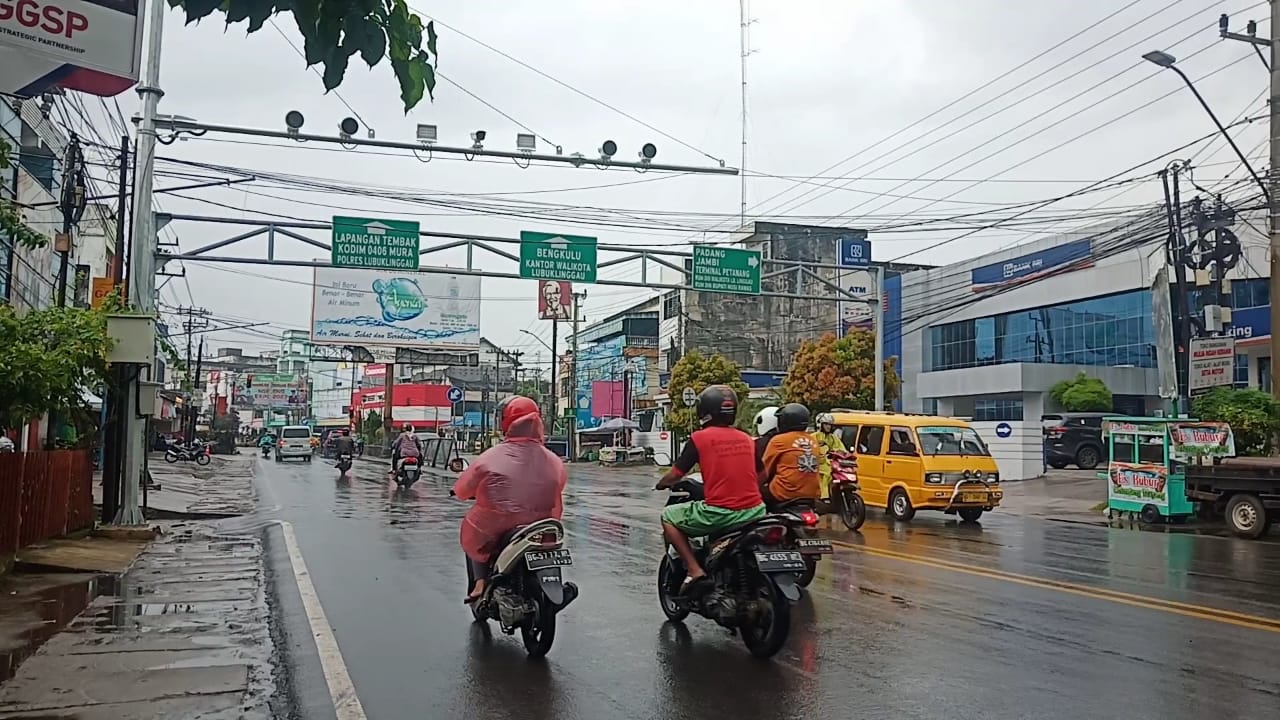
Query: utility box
x,y
149,398
133,339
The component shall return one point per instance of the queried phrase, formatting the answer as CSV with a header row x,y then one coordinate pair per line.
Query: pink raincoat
x,y
516,482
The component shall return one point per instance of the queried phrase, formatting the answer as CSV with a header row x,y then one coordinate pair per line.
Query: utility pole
x,y
877,315
1273,181
388,385
112,447
194,319
555,374
72,206
194,405
572,422
142,263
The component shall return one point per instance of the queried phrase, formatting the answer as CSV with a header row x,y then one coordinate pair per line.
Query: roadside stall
x,y
612,444
1145,472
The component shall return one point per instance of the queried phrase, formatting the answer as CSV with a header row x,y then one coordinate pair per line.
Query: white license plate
x,y
973,497
539,559
814,546
779,561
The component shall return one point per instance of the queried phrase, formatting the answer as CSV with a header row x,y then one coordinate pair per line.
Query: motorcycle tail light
x,y
809,517
547,538
774,535
411,461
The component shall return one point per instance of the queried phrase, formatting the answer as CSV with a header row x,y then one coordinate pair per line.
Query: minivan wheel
x,y
1087,458
900,506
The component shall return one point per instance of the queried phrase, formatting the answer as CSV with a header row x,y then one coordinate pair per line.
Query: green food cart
x,y
1145,470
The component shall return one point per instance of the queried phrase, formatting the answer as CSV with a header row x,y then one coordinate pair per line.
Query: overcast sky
x,y
825,80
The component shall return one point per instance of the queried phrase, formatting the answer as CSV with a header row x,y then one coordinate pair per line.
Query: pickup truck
x,y
1245,491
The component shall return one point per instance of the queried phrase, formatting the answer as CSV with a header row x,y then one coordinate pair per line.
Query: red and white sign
x,y
94,46
1212,363
375,371
555,298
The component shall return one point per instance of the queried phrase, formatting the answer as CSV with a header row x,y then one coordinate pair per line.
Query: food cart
x,y
1146,468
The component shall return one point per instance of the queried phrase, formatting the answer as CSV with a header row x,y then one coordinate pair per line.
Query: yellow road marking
x,y
1201,612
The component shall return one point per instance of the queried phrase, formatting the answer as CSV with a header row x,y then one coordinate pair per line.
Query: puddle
x,y
32,611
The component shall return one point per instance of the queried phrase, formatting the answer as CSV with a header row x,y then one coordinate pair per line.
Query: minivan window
x,y
939,440
849,436
870,439
296,433
901,442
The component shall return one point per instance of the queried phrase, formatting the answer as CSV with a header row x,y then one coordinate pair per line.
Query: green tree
x,y
50,358
530,389
333,32
371,429
1082,394
697,371
1253,415
829,372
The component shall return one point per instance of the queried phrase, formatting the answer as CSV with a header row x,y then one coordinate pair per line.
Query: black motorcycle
x,y
344,463
525,591
805,539
408,473
752,571
197,452
266,450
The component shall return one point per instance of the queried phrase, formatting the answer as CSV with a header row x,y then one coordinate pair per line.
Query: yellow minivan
x,y
920,462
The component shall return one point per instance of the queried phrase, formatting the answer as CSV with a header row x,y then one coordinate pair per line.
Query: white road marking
x,y
341,690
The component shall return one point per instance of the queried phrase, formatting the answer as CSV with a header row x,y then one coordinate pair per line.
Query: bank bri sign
x,y
1071,255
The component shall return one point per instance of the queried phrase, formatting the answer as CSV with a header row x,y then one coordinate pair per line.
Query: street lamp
x,y
541,342
1165,60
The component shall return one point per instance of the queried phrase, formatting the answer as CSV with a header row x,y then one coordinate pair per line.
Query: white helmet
x,y
766,421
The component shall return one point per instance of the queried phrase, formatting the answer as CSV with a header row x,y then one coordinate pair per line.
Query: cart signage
x,y
1129,427
1200,439
1140,483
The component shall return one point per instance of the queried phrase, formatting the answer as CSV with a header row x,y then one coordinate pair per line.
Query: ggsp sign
x,y
49,19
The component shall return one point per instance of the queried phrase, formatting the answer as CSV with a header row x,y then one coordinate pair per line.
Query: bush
x,y
1082,394
1253,415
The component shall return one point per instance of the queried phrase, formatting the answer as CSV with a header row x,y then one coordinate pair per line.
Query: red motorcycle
x,y
846,501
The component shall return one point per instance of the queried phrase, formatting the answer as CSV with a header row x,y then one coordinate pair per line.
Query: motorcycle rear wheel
x,y
202,459
810,569
853,511
765,641
169,457
666,578
539,633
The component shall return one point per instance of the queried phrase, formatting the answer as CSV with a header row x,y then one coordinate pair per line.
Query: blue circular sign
x,y
1004,430
455,394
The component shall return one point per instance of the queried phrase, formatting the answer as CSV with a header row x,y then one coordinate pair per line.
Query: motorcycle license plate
x,y
973,497
814,546
779,561
539,559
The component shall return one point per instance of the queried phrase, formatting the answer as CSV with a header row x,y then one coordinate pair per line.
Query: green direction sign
x,y
547,256
728,270
378,244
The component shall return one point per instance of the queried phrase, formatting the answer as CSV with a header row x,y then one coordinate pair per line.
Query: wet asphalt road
x,y
1013,618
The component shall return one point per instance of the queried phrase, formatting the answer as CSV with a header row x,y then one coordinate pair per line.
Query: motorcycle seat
x,y
796,504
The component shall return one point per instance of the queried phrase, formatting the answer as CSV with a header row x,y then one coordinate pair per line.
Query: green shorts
x,y
696,519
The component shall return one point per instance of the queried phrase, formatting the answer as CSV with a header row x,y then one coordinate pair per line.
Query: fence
x,y
43,495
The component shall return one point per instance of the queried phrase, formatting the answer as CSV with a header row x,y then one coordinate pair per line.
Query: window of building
x,y
1242,371
930,406
1111,330
997,409
1264,374
671,304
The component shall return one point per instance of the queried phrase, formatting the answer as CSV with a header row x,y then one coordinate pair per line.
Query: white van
x,y
294,443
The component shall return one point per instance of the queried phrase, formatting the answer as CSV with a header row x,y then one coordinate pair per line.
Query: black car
x,y
1073,439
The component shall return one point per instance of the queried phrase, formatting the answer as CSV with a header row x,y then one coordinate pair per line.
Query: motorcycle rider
x,y
406,445
766,424
791,460
516,482
268,439
343,444
828,440
727,459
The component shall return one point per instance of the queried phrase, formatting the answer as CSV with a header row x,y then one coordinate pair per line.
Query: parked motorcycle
x,y
753,576
344,463
846,500
525,591
408,473
195,451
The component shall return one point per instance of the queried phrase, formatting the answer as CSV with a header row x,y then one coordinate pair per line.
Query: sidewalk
x,y
223,488
1064,495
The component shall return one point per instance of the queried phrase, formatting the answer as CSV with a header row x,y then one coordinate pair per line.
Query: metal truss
x,y
399,356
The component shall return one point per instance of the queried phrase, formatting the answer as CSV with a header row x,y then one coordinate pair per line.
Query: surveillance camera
x,y
608,149
477,139
348,127
648,152
1223,22
293,120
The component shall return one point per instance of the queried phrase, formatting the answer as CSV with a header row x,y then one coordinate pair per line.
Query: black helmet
x,y
717,405
792,417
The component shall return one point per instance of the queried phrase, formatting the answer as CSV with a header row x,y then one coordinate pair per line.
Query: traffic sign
x,y
1004,430
455,394
1212,363
377,244
689,397
855,250
547,256
729,270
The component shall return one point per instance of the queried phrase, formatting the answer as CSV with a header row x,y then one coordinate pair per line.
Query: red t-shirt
x,y
728,461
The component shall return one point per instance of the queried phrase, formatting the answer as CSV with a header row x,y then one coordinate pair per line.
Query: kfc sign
x,y
92,46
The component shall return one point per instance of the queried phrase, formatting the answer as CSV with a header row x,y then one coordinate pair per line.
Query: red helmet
x,y
514,408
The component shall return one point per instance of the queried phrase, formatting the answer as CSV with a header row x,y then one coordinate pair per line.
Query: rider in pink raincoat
x,y
514,483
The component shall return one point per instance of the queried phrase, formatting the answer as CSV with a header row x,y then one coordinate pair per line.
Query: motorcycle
x,y
195,451
525,591
344,463
845,498
266,450
753,576
408,473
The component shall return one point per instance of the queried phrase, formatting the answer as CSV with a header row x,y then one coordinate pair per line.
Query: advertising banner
x,y
433,309
1202,439
1212,363
555,300
267,391
1072,255
93,46
1146,484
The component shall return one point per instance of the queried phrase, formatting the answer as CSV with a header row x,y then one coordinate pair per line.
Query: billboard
x,y
1068,256
93,46
555,300
264,391
431,309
